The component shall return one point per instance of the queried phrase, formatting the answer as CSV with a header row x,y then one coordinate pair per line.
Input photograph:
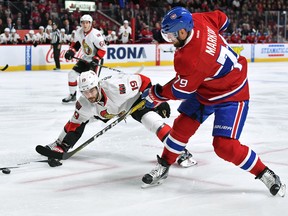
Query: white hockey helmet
x,y
88,80
31,32
86,17
6,30
13,30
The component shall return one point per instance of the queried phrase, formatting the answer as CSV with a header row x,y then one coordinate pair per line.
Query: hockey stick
x,y
6,170
4,68
64,156
114,69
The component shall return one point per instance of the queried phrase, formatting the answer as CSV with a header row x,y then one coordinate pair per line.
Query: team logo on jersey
x,y
101,43
76,115
173,16
106,115
122,89
78,105
86,49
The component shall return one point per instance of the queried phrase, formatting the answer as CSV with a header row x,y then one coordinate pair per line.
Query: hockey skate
x,y
186,159
272,182
157,175
70,98
57,146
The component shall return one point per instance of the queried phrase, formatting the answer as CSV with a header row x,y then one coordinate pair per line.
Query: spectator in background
x,y
2,27
2,13
18,24
18,16
31,25
56,45
15,37
146,36
76,14
45,17
157,36
9,23
5,37
67,27
26,9
125,32
250,38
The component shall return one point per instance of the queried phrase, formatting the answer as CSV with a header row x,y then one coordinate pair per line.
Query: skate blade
x,y
282,190
188,163
144,185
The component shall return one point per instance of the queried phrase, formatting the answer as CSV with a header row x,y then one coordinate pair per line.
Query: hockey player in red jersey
x,y
210,79
109,97
94,48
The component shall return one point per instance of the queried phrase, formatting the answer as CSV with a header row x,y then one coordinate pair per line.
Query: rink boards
x,y
28,57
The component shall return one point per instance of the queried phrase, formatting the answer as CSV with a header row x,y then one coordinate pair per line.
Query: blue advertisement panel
x,y
28,58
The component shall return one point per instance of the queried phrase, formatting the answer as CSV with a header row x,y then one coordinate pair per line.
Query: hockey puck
x,y
54,162
6,171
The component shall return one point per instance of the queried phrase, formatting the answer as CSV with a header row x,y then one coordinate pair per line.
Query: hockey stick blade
x,y
21,164
5,67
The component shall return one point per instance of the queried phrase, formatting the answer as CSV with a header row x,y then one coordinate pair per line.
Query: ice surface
x,y
105,177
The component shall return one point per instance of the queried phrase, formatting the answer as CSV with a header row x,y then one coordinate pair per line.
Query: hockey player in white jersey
x,y
30,38
15,37
42,36
5,37
94,48
110,97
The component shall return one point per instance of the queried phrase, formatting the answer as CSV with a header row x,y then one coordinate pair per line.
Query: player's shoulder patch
x,y
122,89
78,105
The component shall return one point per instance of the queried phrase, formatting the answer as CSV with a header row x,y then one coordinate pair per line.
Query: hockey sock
x,y
72,81
242,156
183,128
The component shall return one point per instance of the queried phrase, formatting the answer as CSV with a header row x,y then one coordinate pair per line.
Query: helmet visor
x,y
169,36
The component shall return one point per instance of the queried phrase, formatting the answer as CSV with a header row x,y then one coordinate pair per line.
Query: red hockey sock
x,y
183,128
233,151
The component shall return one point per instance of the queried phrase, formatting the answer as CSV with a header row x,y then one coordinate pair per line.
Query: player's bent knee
x,y
227,148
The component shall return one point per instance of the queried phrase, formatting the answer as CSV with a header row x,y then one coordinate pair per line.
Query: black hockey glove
x,y
69,54
163,110
94,63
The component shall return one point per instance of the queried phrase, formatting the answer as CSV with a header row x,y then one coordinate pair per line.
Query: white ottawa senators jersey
x,y
120,92
90,42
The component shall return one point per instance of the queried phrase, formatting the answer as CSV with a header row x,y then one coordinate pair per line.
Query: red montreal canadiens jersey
x,y
206,64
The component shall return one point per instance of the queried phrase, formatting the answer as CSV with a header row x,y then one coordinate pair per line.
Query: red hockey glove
x,y
69,54
152,96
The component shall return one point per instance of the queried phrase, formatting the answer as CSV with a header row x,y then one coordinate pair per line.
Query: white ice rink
x,y
105,177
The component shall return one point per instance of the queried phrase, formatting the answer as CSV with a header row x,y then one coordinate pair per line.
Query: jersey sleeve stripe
x,y
178,93
225,25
